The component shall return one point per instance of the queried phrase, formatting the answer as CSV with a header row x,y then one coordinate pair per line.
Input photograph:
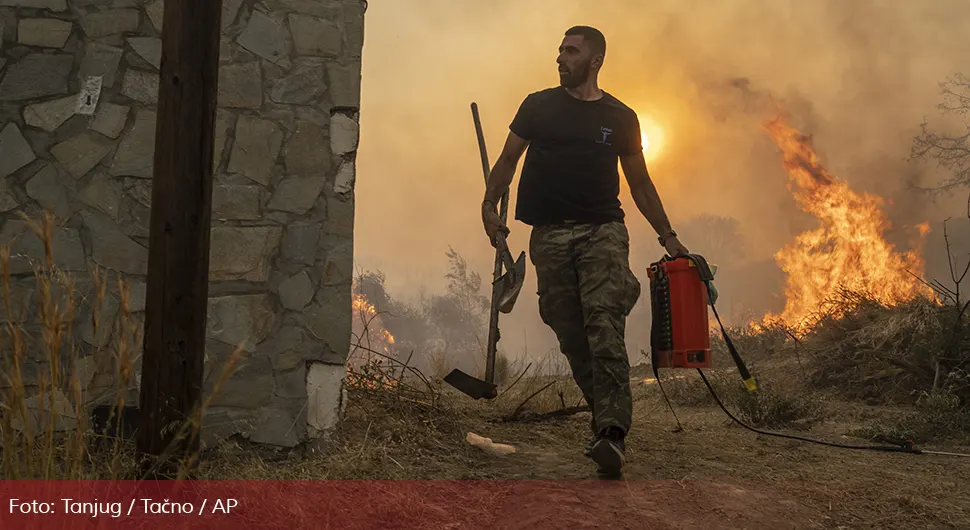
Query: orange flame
x,y
365,369
368,321
848,250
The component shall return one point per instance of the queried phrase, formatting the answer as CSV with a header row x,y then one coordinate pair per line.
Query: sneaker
x,y
608,453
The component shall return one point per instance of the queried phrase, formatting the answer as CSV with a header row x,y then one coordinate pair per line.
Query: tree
x,y
453,324
715,237
461,315
371,285
406,324
951,152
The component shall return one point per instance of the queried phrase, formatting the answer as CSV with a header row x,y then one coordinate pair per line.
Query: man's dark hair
x,y
591,36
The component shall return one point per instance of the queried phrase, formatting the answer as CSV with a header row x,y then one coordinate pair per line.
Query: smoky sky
x,y
858,76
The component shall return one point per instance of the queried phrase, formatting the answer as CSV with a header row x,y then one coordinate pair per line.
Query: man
x,y
569,194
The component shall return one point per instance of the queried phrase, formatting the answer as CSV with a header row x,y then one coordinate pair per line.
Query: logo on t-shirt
x,y
606,132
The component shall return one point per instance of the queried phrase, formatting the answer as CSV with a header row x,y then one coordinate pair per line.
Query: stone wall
x,y
283,197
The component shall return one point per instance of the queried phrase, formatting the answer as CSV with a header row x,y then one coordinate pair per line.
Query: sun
x,y
651,138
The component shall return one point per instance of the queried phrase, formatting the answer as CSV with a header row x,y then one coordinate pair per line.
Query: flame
x,y
369,364
365,314
848,250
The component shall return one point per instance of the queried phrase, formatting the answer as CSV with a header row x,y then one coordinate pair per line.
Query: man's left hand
x,y
674,248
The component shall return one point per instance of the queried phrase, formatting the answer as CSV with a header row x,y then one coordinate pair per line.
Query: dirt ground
x,y
714,475
711,475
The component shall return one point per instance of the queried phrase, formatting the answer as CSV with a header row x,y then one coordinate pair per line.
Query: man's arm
x,y
645,193
500,177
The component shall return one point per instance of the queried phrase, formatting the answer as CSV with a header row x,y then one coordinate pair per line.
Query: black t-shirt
x,y
570,170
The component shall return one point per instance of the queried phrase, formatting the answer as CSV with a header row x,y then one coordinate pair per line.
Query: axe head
x,y
472,387
510,284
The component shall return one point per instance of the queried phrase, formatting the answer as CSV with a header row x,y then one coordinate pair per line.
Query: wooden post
x,y
178,249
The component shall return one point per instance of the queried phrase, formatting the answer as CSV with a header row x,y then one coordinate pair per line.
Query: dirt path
x,y
715,475
644,504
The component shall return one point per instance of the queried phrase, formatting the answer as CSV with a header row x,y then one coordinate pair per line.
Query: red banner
x,y
291,505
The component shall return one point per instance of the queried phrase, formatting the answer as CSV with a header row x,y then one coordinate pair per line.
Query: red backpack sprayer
x,y
681,289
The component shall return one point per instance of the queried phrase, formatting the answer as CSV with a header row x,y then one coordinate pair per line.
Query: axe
x,y
505,290
510,283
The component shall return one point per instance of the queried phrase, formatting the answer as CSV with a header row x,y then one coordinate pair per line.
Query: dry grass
x,y
44,423
409,426
782,400
877,352
45,419
911,355
936,416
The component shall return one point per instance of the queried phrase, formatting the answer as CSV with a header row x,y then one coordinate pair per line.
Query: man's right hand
x,y
492,222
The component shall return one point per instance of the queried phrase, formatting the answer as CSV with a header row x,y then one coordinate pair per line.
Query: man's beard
x,y
574,79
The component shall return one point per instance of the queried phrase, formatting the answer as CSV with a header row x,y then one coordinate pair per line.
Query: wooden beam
x,y
178,249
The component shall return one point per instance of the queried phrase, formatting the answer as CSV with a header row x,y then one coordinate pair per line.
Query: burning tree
x,y
368,327
371,361
441,331
848,251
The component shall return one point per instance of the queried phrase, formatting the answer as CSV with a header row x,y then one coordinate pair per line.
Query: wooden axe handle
x,y
493,332
503,210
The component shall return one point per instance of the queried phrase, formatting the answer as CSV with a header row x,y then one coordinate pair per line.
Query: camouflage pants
x,y
586,291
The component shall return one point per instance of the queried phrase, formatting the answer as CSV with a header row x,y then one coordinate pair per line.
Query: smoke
x,y
858,76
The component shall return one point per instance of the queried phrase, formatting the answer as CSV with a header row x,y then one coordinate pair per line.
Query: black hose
x,y
907,448
661,340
